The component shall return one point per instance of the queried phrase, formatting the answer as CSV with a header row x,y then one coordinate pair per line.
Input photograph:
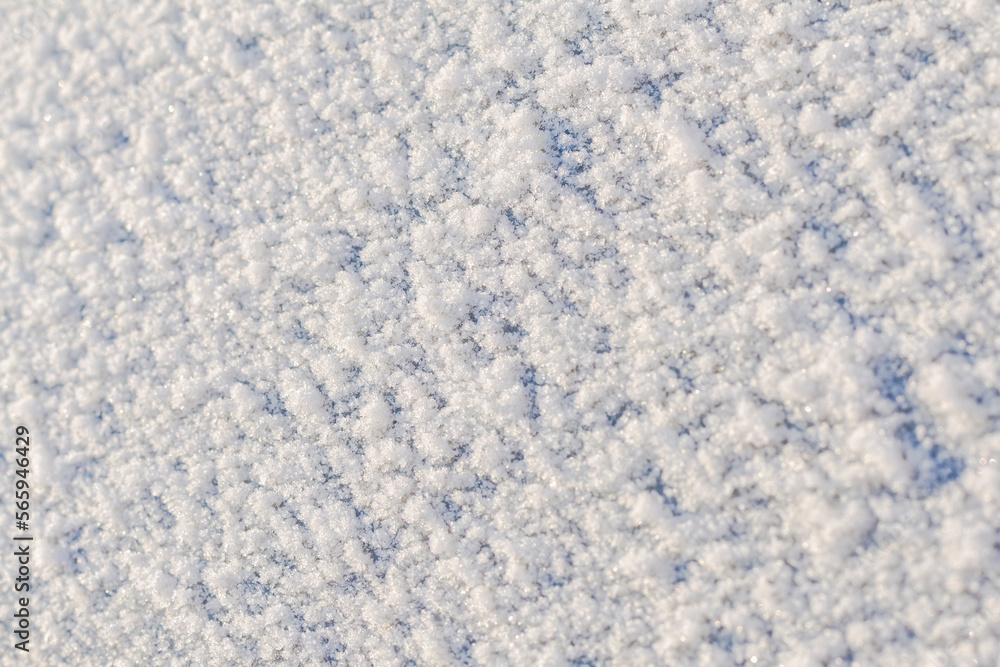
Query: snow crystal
x,y
559,333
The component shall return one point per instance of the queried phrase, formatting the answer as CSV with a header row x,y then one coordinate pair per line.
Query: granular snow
x,y
659,332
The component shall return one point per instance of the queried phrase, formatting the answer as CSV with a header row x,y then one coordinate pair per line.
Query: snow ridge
x,y
563,333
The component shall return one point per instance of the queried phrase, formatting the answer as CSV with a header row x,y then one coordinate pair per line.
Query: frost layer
x,y
506,332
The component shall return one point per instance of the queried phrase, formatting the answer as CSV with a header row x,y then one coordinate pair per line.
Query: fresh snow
x,y
548,332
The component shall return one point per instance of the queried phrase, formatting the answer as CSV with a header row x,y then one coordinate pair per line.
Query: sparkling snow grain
x,y
543,332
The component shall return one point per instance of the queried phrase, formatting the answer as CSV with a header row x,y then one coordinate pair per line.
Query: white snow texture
x,y
546,332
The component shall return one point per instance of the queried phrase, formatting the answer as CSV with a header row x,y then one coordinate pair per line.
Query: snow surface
x,y
660,332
